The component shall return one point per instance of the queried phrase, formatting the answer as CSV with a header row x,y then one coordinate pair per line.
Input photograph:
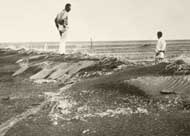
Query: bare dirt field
x,y
67,95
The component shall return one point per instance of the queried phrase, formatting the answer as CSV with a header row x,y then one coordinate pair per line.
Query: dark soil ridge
x,y
114,81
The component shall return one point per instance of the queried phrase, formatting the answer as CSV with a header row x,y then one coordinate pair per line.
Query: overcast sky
x,y
33,20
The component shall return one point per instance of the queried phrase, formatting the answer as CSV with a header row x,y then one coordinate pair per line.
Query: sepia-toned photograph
x,y
94,68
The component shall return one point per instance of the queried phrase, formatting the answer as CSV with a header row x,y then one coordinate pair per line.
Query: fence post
x,y
45,47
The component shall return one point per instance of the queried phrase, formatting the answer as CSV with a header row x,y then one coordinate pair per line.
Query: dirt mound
x,y
105,66
29,68
178,67
61,72
117,93
165,85
185,58
62,67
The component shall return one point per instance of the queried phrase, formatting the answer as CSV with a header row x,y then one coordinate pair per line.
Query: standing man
x,y
61,22
160,48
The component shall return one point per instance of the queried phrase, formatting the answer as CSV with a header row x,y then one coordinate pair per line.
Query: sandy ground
x,y
98,100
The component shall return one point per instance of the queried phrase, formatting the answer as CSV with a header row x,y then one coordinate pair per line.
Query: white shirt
x,y
161,45
63,15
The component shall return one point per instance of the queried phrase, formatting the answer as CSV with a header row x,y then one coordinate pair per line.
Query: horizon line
x,y
42,41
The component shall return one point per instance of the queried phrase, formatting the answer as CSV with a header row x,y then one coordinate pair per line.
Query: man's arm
x,y
56,22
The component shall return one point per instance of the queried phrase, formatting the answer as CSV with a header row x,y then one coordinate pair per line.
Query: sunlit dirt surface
x,y
98,101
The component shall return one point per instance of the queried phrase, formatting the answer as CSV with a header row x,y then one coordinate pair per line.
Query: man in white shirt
x,y
160,48
61,22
